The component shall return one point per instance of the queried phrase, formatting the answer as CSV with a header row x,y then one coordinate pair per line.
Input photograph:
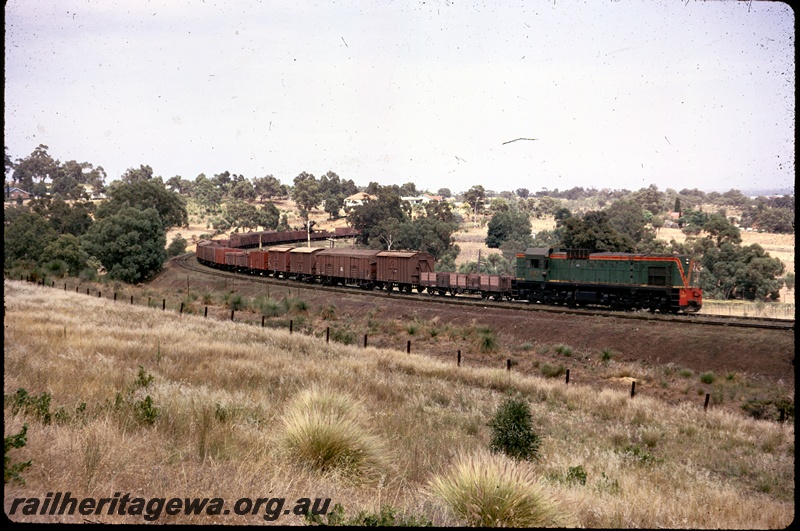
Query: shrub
x,y
32,405
142,378
272,308
576,474
491,491
606,354
512,431
552,372
321,430
707,377
328,313
487,342
564,350
343,334
11,472
145,411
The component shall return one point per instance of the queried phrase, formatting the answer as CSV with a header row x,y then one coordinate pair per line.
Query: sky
x,y
617,94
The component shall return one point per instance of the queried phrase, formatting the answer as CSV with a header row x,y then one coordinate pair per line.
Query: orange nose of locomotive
x,y
691,299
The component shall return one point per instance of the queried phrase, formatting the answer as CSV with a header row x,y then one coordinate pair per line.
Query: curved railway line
x,y
189,262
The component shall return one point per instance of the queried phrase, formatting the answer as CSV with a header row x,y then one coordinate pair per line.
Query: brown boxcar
x,y
219,254
204,251
348,266
402,268
278,260
303,261
257,261
236,258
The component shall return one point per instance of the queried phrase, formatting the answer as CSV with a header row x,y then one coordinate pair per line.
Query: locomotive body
x,y
619,280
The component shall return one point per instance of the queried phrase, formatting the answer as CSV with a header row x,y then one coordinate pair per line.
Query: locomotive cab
x,y
532,265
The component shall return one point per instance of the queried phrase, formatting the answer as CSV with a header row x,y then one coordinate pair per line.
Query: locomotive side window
x,y
535,263
657,276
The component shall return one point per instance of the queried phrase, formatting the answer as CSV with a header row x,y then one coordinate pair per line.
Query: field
x,y
158,404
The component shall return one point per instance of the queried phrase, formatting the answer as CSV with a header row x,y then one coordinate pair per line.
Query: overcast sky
x,y
616,94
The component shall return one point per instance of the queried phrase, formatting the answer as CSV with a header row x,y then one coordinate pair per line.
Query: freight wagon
x,y
357,267
402,269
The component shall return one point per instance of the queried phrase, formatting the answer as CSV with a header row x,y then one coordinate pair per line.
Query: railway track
x,y
189,262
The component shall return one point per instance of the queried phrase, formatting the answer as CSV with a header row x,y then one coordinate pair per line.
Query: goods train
x,y
570,277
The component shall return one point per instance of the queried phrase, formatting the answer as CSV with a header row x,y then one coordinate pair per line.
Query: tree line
x,y
64,231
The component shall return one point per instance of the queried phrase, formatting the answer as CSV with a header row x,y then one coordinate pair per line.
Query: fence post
x,y
205,312
65,286
181,310
87,291
232,314
291,326
115,296
76,289
365,340
131,300
567,376
459,359
327,334
705,405
408,347
508,365
262,321
163,304
633,388
148,301
99,294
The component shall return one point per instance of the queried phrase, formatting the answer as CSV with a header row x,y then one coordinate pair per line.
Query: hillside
x,y
158,404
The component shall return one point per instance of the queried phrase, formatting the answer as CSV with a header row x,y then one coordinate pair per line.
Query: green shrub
x,y
12,471
564,350
576,474
272,308
707,377
487,340
552,372
606,354
769,408
145,411
343,334
512,431
32,405
143,379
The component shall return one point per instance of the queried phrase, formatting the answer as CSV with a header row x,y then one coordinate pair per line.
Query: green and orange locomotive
x,y
576,277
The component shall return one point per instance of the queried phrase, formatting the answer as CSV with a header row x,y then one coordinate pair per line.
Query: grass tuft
x,y
321,431
492,491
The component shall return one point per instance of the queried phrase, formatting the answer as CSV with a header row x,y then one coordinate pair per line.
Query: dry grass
x,y
493,491
223,392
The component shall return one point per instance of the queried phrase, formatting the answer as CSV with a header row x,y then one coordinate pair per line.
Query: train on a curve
x,y
569,277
